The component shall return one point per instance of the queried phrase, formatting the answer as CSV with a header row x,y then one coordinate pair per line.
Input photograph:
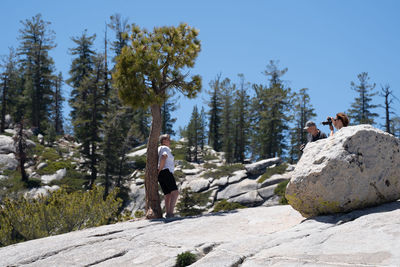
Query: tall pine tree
x,y
11,89
361,111
270,108
241,114
227,126
37,40
215,105
57,114
301,113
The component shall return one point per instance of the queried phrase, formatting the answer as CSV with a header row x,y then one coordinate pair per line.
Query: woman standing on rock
x,y
339,122
166,175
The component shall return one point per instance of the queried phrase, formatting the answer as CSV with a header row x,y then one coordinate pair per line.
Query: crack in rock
x,y
301,261
65,249
105,234
120,254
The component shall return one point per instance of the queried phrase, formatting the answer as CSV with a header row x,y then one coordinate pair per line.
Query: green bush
x,y
280,169
13,184
187,165
209,166
224,170
186,204
185,259
179,175
54,166
280,191
72,181
140,162
179,153
139,214
209,157
25,219
224,205
46,153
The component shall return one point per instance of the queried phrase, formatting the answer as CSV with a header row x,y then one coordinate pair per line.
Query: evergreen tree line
x,y
271,122
268,124
32,94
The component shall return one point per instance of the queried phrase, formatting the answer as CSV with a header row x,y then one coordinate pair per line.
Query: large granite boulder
x,y
260,167
8,162
6,144
199,185
237,189
46,179
357,167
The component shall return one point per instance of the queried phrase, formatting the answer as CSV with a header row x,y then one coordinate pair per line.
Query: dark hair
x,y
343,117
163,137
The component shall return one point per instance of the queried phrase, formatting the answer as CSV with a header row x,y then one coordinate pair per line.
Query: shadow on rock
x,y
342,218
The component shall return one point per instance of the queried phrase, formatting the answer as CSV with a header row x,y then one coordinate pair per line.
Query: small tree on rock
x,y
151,65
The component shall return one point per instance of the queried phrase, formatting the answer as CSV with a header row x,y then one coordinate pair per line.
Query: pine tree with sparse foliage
x,y
361,111
147,69
302,112
387,94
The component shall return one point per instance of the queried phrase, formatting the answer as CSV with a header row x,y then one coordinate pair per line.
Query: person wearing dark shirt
x,y
314,133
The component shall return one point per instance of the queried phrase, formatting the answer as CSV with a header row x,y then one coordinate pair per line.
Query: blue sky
x,y
324,44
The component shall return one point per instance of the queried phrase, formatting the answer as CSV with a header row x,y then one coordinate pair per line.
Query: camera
x,y
327,122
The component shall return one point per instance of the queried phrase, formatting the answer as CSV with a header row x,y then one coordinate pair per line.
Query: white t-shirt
x,y
169,162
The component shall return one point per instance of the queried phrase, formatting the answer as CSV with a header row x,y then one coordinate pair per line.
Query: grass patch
x,y
225,170
72,181
8,134
13,184
139,214
224,205
46,153
280,191
209,166
209,157
201,199
188,201
185,259
179,175
140,162
187,165
280,169
54,166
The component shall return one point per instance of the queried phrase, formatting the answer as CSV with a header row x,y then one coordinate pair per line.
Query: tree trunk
x,y
153,208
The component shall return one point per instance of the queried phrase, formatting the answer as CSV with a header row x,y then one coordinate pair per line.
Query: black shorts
x,y
167,181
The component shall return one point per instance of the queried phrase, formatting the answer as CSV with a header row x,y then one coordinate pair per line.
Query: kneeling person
x,y
166,175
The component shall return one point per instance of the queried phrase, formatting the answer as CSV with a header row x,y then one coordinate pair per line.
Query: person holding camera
x,y
314,133
339,122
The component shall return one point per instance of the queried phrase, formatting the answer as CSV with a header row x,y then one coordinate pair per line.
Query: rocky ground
x,y
214,180
211,179
260,236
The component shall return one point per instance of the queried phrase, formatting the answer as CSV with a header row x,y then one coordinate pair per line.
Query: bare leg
x,y
174,197
167,198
